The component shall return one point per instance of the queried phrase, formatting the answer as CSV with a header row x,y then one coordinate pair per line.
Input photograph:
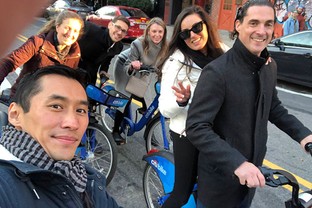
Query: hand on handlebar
x,y
308,147
249,175
306,144
136,65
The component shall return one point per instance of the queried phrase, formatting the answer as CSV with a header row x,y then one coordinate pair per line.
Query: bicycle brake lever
x,y
273,178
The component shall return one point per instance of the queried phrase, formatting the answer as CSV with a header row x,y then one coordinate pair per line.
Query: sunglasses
x,y
196,28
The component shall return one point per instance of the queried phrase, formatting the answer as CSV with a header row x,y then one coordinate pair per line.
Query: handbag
x,y
138,85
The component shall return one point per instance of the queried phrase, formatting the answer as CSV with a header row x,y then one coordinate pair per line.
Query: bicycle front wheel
x,y
101,150
154,137
152,187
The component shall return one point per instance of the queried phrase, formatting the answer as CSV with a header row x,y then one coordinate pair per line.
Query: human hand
x,y
250,175
103,77
182,93
136,65
306,140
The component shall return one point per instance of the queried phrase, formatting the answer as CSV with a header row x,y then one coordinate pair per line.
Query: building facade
x,y
223,12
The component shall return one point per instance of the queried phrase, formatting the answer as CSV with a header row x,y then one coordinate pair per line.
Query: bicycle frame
x,y
82,149
146,117
138,126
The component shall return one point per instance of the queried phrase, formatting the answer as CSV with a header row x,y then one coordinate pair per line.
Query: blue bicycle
x,y
158,181
156,133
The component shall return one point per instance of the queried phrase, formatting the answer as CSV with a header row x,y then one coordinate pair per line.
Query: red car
x,y
138,19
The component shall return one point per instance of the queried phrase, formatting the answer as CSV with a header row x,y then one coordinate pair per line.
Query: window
x,y
107,11
61,4
133,13
227,5
301,39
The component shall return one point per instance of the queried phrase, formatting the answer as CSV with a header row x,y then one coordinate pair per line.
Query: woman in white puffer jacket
x,y
193,45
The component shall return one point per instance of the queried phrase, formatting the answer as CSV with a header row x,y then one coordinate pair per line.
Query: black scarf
x,y
27,149
199,58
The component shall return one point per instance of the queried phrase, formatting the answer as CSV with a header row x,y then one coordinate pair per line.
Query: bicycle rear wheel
x,y
101,150
152,187
154,137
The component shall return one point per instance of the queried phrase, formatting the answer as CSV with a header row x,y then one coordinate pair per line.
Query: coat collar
x,y
254,62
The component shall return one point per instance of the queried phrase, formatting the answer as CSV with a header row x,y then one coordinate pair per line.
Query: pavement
x,y
225,37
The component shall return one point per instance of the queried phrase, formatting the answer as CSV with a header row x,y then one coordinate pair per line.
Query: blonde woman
x,y
145,50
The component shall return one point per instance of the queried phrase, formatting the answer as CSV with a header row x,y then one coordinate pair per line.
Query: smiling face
x,y
68,32
256,30
57,118
156,33
196,41
117,30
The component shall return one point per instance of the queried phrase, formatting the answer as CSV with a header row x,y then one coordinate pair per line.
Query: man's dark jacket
x,y
227,121
97,49
25,185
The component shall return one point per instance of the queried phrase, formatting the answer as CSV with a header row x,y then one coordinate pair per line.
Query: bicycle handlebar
x,y
275,178
147,69
308,147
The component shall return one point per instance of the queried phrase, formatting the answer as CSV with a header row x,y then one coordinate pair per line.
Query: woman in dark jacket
x,y
56,43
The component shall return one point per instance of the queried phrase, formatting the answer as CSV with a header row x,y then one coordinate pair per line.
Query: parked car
x,y
138,19
79,7
293,55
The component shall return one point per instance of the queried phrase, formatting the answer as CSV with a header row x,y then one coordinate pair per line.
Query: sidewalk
x,y
224,35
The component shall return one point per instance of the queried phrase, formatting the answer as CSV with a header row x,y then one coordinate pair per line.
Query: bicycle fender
x,y
162,163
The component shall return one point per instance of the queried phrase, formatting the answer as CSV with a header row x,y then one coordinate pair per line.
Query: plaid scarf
x,y
27,149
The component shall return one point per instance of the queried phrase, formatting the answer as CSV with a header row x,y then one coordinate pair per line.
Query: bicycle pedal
x,y
118,139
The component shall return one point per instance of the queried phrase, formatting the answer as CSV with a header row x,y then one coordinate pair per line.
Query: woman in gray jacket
x,y
146,50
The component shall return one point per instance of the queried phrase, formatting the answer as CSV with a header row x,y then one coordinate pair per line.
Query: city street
x,y
282,152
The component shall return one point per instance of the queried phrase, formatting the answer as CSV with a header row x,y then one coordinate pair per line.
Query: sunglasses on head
x,y
196,28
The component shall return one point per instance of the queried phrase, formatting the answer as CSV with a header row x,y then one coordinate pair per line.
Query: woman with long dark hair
x,y
194,43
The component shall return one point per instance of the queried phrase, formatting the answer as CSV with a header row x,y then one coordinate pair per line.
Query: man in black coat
x,y
99,45
227,121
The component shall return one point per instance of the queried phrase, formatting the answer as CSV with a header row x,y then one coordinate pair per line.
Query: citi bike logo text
x,y
150,110
158,166
117,102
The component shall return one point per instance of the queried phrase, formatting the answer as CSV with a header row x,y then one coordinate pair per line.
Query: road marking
x,y
300,180
22,38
